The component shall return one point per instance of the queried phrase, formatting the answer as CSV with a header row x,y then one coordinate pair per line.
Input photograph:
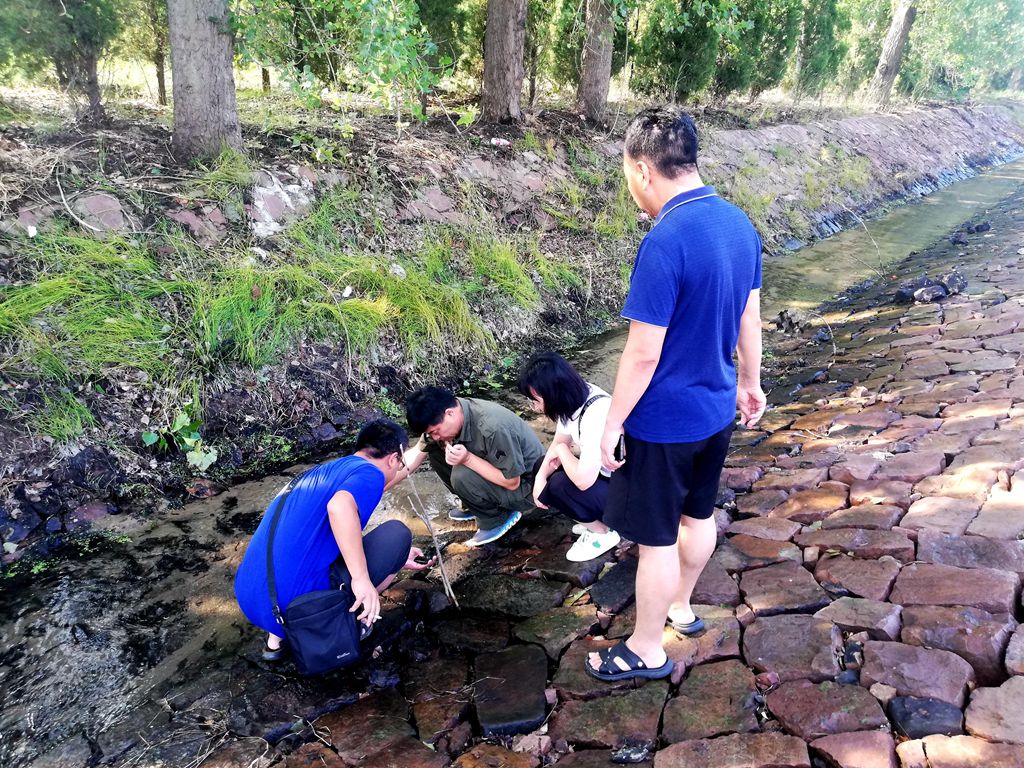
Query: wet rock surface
x,y
893,480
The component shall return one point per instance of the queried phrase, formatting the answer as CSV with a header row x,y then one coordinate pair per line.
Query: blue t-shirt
x,y
304,545
693,274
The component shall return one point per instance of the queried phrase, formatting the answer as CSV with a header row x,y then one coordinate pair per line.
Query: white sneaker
x,y
590,545
578,529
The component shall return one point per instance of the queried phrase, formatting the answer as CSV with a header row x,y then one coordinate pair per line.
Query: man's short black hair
x,y
426,406
552,377
665,138
381,438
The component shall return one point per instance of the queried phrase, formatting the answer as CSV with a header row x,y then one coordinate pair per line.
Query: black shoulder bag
x,y
321,631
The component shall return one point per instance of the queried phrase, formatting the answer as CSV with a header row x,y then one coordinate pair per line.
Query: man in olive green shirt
x,y
483,453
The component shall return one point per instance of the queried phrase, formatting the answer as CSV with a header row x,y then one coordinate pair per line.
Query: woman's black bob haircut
x,y
550,375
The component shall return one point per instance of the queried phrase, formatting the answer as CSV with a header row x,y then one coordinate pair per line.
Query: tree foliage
x,y
821,48
377,46
782,19
67,35
678,45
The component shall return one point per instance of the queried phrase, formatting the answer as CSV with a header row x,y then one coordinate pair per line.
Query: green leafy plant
x,y
183,434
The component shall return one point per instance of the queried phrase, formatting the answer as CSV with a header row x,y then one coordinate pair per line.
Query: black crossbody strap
x,y
583,411
274,520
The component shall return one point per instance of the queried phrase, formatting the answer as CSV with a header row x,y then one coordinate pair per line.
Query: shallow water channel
x,y
95,634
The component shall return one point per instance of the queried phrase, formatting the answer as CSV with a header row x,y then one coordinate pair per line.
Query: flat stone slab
x,y
997,714
867,749
490,755
773,528
912,671
551,563
612,721
740,478
891,492
880,620
555,629
812,505
1015,653
366,727
1001,516
791,480
872,579
970,551
861,543
436,689
314,755
928,584
714,699
911,467
407,753
510,596
754,750
794,646
853,468
509,690
473,634
872,517
720,640
617,588
759,503
715,586
811,710
959,752
942,514
783,588
571,681
916,718
977,636
742,552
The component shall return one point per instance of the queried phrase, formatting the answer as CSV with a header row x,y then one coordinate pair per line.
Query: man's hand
x,y
367,597
538,488
750,401
609,440
416,554
456,454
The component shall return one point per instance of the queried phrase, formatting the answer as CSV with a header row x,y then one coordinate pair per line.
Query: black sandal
x,y
611,672
274,654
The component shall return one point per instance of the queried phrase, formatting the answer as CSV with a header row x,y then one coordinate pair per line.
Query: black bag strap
x,y
275,518
583,410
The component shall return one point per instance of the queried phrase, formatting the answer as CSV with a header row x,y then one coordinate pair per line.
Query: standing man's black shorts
x,y
662,482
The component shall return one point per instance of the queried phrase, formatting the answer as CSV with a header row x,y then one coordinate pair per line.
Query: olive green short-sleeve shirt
x,y
498,436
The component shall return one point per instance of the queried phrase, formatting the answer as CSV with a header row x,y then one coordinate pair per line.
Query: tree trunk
x,y
503,61
892,52
1017,79
160,62
532,84
94,113
205,112
265,76
596,73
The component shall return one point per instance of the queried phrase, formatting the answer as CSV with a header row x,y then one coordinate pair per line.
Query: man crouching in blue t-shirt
x,y
319,542
694,297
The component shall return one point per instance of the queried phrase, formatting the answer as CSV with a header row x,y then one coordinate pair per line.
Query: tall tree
x,y
821,48
892,52
69,35
781,30
678,46
205,112
596,75
503,61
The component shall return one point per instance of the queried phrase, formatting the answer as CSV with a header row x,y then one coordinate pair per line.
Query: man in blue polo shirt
x,y
694,298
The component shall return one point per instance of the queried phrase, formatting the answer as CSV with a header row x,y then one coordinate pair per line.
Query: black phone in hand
x,y
619,454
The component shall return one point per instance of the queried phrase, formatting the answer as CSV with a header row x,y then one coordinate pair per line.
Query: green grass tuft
x,y
63,417
496,262
225,177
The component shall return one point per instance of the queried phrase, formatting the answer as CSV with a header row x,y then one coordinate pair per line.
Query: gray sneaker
x,y
486,537
461,514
